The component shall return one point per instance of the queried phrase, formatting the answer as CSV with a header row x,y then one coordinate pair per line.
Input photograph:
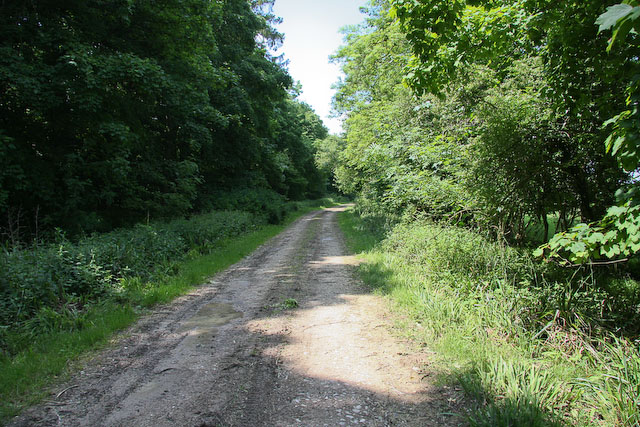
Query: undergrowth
x,y
533,345
64,299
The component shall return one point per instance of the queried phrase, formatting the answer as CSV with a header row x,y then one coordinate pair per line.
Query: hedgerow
x,y
44,286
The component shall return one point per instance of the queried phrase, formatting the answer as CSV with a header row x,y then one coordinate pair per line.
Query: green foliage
x,y
289,304
204,231
528,342
45,286
452,254
618,17
401,153
617,235
624,140
41,349
116,112
518,394
448,36
260,202
503,129
327,158
617,386
515,140
499,144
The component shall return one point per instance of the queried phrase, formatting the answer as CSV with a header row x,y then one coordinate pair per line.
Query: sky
x,y
312,33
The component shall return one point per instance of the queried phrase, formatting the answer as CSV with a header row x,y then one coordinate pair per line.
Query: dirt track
x,y
230,354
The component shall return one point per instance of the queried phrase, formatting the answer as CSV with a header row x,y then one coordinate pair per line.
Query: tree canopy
x,y
115,111
493,113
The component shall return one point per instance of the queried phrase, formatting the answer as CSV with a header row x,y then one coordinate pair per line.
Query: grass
x,y
500,328
24,377
289,304
27,377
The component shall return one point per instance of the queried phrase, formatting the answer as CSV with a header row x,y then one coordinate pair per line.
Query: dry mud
x,y
231,354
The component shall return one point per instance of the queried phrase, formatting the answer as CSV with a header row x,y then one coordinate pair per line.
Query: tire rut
x,y
230,354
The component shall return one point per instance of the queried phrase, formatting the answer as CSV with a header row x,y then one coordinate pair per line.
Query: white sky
x,y
311,30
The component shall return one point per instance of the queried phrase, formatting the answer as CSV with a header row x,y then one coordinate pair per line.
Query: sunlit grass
x,y
458,296
23,378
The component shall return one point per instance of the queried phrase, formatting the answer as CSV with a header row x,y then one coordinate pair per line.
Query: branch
x,y
599,263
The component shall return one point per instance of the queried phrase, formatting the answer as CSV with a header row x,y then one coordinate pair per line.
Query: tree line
x,y
494,114
483,139
117,111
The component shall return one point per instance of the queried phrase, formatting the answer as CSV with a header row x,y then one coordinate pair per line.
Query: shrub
x,y
260,202
453,251
203,231
45,287
45,277
136,251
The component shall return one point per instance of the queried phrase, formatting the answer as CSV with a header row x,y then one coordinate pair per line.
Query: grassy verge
x,y
527,345
26,375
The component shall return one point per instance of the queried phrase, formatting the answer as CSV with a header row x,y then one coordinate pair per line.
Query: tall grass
x,y
530,344
25,375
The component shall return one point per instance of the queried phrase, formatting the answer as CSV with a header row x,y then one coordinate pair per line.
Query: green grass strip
x,y
452,324
27,377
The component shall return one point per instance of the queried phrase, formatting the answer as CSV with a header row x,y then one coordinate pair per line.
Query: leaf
x,y
610,122
614,13
612,234
596,238
616,211
617,144
611,251
629,162
578,248
624,26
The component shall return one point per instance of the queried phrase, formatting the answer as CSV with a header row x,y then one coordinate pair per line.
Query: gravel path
x,y
231,353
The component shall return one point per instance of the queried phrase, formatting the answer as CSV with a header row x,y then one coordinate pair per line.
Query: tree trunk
x,y
545,221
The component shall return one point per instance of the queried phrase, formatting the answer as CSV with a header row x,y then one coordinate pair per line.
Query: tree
x,y
495,34
401,152
617,235
327,157
117,111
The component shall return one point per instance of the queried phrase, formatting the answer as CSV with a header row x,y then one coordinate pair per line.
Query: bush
x,y
471,262
45,277
533,343
203,231
136,251
260,202
45,286
453,251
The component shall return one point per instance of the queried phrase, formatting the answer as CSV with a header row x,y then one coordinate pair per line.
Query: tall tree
x,y
579,76
114,111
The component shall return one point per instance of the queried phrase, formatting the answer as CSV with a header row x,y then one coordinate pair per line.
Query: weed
x,y
289,303
520,337
615,386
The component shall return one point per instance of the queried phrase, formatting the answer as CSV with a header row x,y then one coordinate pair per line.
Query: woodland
x,y
135,137
490,147
114,112
492,150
